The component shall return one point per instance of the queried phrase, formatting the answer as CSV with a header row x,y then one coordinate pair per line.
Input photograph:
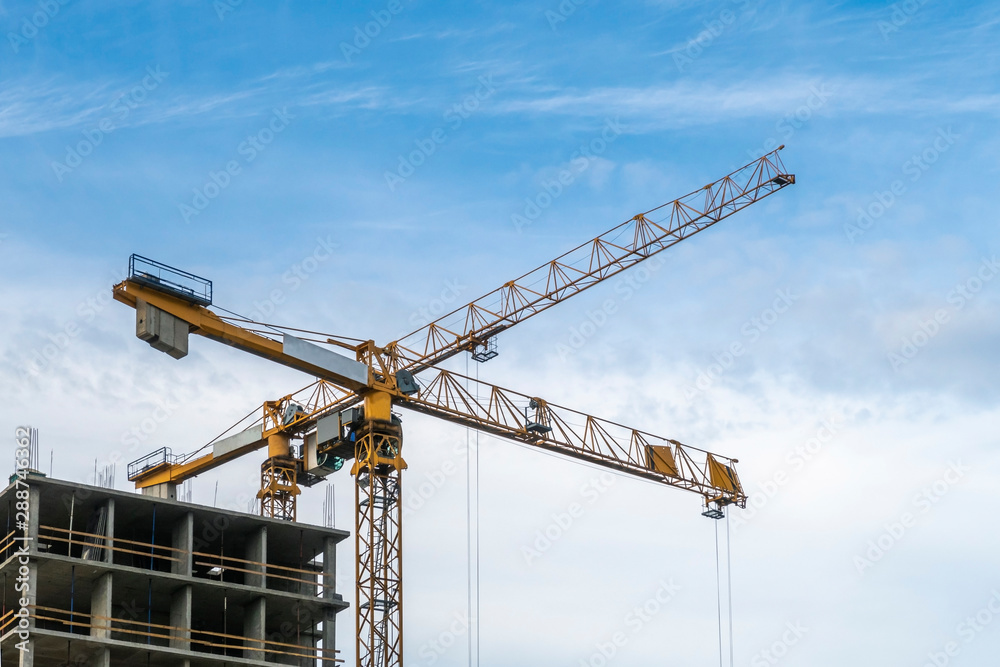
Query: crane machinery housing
x,y
346,414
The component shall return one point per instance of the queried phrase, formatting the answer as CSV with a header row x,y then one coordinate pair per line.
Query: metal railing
x,y
166,278
146,633
155,459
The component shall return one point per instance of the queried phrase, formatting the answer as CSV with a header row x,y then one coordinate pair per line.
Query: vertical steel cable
x,y
472,473
718,589
478,576
729,576
468,514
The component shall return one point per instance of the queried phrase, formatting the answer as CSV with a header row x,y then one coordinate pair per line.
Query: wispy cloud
x,y
685,103
371,97
679,103
33,108
305,70
47,105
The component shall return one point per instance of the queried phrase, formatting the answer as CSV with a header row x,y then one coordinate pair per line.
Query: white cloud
x,y
687,102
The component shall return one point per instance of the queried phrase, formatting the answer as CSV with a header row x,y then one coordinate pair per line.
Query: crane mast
x,y
347,413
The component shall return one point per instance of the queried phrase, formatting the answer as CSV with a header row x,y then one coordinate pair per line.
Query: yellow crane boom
x,y
590,263
501,412
196,318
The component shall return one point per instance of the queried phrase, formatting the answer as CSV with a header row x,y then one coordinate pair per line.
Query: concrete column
x,y
329,568
101,658
109,551
254,627
328,634
34,509
180,617
183,539
100,606
27,658
329,630
257,553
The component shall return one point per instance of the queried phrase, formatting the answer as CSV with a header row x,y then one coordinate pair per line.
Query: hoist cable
x,y
729,576
718,589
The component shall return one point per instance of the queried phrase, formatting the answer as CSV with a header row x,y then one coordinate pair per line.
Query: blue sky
x,y
242,142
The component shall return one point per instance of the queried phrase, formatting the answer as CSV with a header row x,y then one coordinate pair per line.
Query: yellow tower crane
x,y
347,413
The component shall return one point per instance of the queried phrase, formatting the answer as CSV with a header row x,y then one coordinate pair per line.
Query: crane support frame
x,y
279,488
378,538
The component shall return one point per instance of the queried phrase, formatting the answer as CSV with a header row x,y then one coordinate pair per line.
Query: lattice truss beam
x,y
533,421
616,250
536,422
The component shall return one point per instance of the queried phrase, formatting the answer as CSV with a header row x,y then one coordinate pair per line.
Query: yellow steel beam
x,y
175,473
208,324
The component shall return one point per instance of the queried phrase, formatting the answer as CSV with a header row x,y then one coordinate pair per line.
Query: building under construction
x,y
117,578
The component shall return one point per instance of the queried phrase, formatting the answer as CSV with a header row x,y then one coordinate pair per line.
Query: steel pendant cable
x,y
729,577
718,589
729,591
478,574
472,528
468,516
